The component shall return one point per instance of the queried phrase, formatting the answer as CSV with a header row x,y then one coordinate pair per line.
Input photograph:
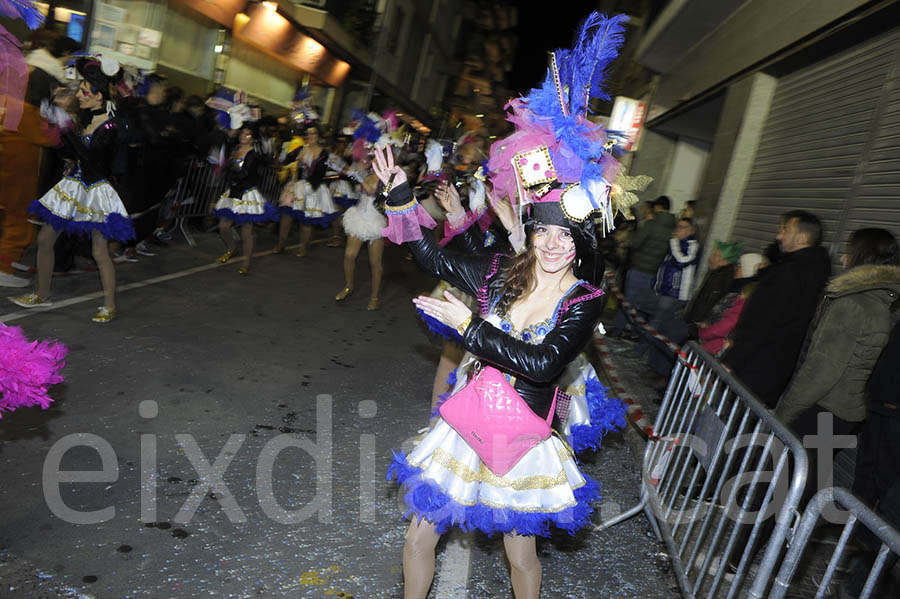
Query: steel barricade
x,y
859,512
703,477
194,195
270,187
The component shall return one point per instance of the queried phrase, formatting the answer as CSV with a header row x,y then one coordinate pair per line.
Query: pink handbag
x,y
495,421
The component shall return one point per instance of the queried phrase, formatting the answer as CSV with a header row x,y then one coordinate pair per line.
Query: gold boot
x,y
373,304
225,257
343,294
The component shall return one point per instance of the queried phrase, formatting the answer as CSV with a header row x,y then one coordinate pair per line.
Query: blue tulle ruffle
x,y
116,227
607,414
319,221
451,381
269,214
345,201
425,499
301,217
439,328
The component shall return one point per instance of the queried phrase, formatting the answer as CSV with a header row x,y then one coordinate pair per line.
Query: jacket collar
x,y
864,277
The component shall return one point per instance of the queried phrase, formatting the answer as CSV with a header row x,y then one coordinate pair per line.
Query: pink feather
x,y
27,369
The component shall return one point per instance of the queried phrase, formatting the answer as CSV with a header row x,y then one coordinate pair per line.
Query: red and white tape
x,y
635,413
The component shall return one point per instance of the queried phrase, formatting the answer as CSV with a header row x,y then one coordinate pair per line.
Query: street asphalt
x,y
262,415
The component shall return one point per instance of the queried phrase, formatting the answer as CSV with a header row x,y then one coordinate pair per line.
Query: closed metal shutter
x,y
831,145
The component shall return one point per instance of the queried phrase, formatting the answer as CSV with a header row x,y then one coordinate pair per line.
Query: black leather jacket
x,y
536,367
244,175
94,153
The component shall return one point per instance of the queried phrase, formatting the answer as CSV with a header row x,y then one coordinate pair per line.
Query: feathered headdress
x,y
556,154
233,111
302,110
374,129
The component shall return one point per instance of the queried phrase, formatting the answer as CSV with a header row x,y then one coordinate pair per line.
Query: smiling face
x,y
554,247
88,99
245,137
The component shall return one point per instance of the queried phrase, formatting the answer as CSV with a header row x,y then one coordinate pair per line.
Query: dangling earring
x,y
578,262
110,109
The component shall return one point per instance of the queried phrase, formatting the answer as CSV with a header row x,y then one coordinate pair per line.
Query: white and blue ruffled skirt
x,y
74,207
343,193
445,482
251,207
307,205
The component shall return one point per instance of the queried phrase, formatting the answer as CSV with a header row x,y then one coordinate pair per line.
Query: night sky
x,y
541,30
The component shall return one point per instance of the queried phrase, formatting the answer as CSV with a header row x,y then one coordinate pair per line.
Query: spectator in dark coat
x,y
649,245
767,340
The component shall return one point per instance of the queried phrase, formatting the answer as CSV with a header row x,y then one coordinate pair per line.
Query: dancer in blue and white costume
x,y
308,200
85,202
242,204
536,313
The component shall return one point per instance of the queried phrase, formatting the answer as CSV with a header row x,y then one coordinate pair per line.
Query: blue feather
x,y
606,414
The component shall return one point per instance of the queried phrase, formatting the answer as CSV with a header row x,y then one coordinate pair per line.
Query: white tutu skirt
x,y
73,207
446,483
251,207
363,220
307,205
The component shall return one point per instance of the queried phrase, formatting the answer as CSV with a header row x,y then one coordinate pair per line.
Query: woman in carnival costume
x,y
242,204
306,198
362,222
536,313
85,202
591,411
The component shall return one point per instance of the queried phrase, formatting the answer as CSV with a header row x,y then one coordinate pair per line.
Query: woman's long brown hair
x,y
518,279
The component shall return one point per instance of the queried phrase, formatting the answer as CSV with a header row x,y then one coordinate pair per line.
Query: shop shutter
x,y
830,146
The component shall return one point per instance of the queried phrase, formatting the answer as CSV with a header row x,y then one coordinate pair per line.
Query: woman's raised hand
x,y
448,197
450,310
383,166
504,212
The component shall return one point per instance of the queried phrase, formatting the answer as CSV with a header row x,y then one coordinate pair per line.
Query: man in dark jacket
x,y
649,246
767,340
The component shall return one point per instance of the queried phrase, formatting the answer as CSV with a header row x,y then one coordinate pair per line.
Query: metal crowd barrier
x,y
270,187
195,194
721,464
858,512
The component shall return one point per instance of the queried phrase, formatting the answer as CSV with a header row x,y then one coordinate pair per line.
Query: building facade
x,y
350,54
760,107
